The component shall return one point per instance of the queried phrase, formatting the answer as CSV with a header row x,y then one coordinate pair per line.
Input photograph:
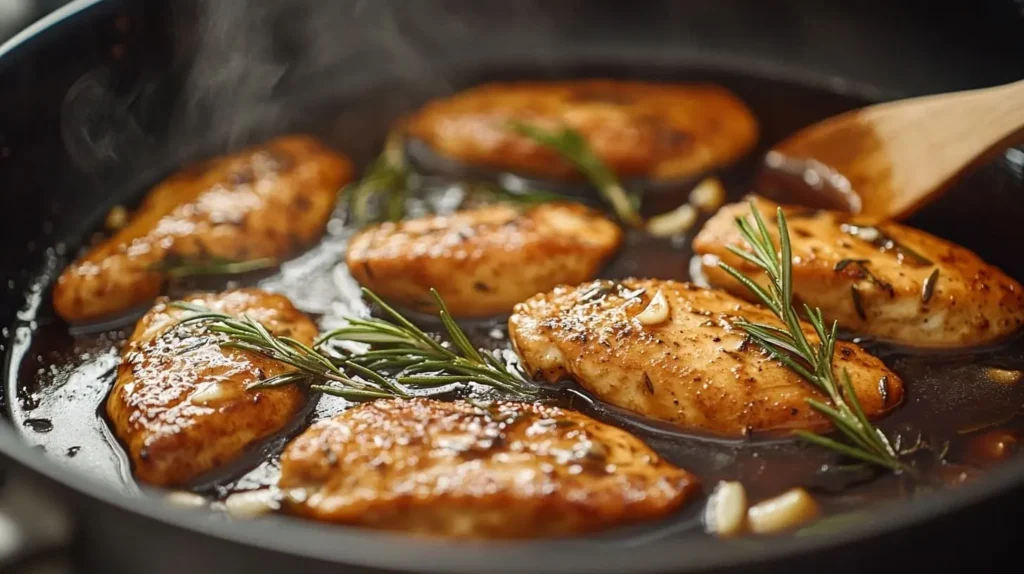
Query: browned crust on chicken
x,y
950,298
695,369
639,129
180,403
514,470
482,261
263,202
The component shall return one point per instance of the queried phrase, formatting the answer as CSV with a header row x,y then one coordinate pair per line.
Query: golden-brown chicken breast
x,y
482,261
639,129
263,202
692,368
180,403
887,280
512,470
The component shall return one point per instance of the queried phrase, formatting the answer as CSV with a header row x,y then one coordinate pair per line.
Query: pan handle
x,y
32,522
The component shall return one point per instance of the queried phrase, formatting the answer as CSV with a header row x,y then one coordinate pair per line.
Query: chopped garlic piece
x,y
708,196
252,504
726,512
210,393
657,310
185,499
788,510
674,222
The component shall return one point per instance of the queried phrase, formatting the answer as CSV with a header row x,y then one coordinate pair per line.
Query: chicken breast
x,y
482,261
693,368
639,129
263,202
180,403
453,469
888,280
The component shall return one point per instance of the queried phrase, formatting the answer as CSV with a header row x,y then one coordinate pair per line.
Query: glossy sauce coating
x,y
454,469
639,129
180,403
262,202
695,369
482,261
920,290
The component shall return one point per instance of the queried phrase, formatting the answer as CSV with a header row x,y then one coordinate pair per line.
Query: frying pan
x,y
103,97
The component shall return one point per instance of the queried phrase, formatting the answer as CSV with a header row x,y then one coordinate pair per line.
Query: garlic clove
x,y
674,222
211,393
253,503
708,196
726,512
656,312
185,499
788,510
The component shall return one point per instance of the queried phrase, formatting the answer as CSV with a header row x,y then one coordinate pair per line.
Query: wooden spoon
x,y
886,161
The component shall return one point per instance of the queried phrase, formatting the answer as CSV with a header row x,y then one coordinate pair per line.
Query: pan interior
x,y
58,378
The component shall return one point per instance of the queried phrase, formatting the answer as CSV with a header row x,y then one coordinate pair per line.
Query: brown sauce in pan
x,y
58,380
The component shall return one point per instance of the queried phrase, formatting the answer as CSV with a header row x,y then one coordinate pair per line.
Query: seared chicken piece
x,y
263,202
650,130
514,470
180,403
689,365
482,261
888,280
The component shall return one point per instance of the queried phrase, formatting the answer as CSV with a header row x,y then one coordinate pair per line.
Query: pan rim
x,y
369,548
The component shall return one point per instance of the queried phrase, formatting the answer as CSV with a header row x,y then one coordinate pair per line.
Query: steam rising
x,y
258,66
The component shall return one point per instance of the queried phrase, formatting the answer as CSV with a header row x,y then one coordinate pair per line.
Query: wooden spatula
x,y
886,161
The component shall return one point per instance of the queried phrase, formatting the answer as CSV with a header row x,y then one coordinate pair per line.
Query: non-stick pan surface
x,y
105,97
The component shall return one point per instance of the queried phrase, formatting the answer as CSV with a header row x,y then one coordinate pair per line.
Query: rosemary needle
x,y
488,193
813,362
391,181
388,176
179,268
573,147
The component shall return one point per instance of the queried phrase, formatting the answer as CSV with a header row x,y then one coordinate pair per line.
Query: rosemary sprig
x,y
391,181
573,147
417,359
388,176
813,362
401,356
485,192
310,367
179,268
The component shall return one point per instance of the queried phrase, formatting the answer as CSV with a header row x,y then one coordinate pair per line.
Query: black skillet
x,y
102,98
